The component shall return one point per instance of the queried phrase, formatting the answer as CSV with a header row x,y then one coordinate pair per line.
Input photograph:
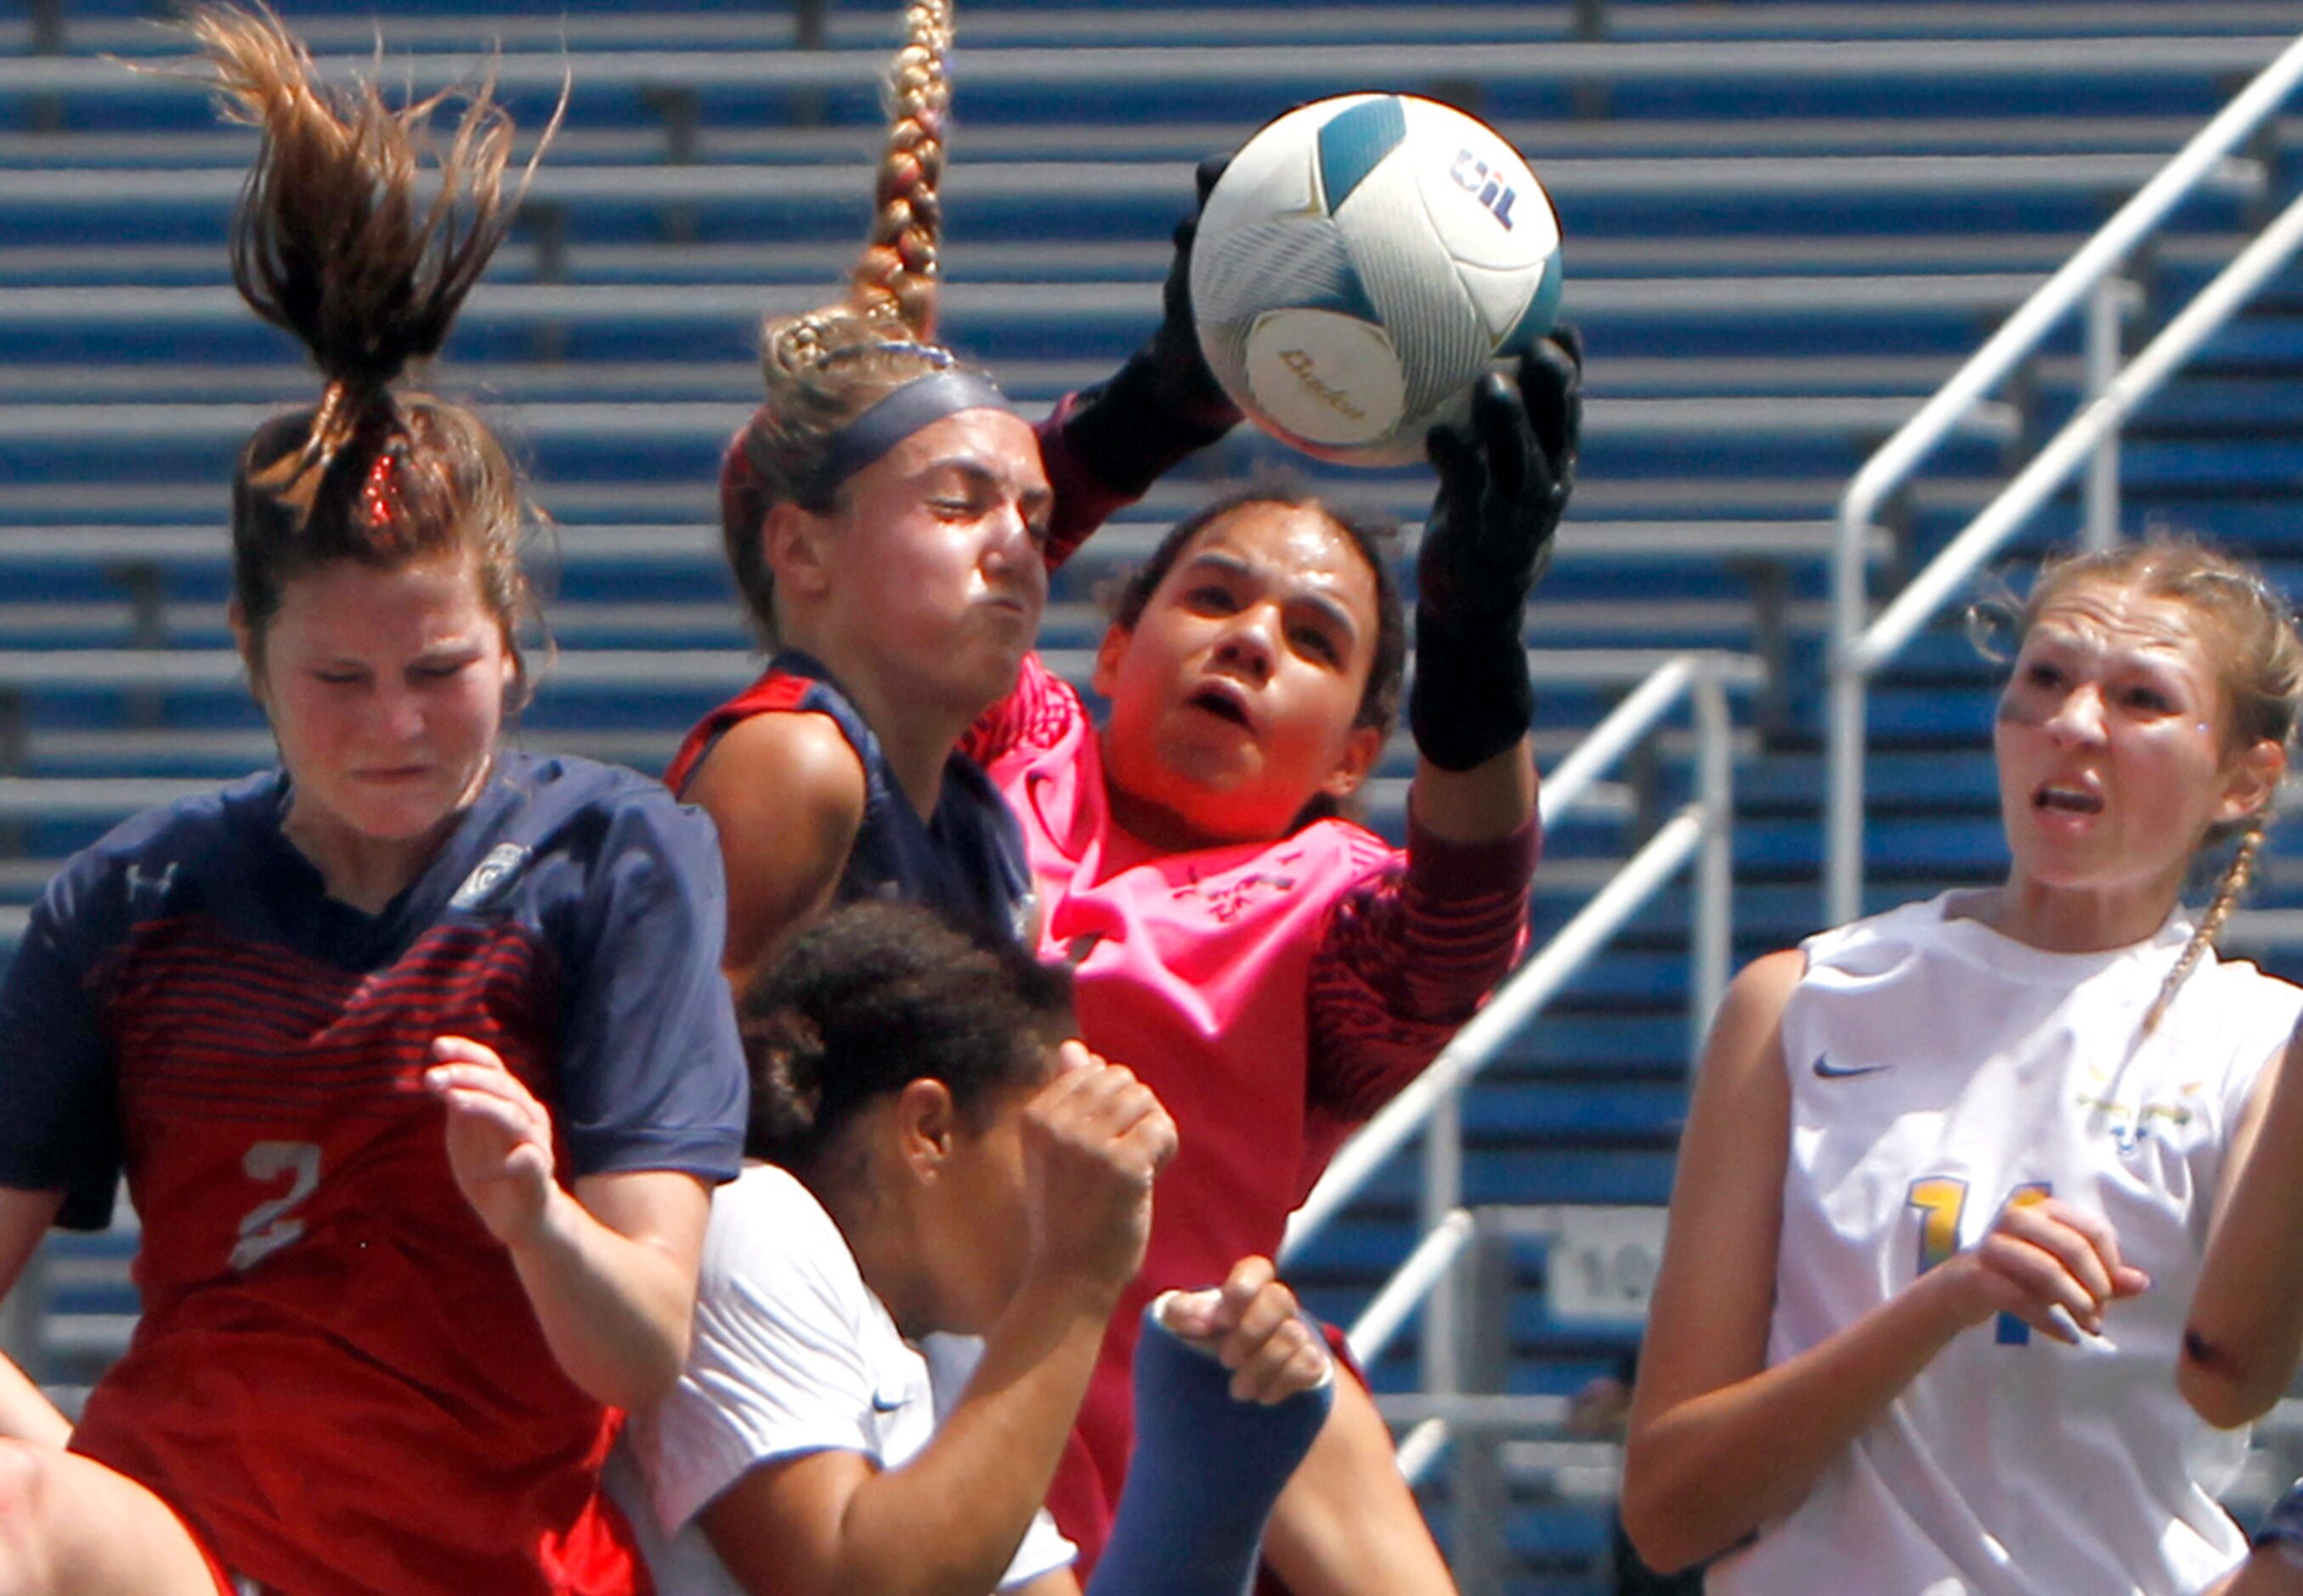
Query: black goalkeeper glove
x,y
1504,476
1164,402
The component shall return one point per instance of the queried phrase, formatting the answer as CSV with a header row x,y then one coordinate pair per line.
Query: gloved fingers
x,y
1551,386
1569,337
1176,293
1454,457
1207,175
1499,416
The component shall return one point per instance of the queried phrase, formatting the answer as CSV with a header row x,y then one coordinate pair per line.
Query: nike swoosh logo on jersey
x,y
1828,1070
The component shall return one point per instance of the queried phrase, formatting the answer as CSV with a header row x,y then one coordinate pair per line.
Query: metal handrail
x,y
1856,653
1704,676
1432,1102
1418,1274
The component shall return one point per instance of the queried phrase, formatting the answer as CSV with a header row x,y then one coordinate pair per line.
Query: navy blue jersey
x,y
333,1350
966,860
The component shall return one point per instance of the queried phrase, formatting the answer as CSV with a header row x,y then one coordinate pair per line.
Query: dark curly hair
x,y
875,996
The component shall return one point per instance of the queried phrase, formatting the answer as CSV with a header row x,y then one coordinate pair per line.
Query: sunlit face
x,y
933,582
1233,697
2113,745
386,689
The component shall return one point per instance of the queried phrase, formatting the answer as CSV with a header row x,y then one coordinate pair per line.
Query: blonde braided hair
x,y
2234,880
825,368
896,275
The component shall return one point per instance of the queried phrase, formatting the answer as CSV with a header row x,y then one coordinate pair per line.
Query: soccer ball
x,y
1361,261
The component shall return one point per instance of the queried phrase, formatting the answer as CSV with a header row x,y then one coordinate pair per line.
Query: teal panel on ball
x,y
1349,295
1542,312
1354,142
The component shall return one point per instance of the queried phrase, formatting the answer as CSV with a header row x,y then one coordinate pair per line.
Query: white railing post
x,y
1419,1277
1535,983
1711,942
1843,737
2106,304
1440,1347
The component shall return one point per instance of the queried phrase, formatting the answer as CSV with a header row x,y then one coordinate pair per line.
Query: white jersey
x,y
1938,1070
793,1354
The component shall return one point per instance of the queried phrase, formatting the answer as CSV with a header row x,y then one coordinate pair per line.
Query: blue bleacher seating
x,y
1771,270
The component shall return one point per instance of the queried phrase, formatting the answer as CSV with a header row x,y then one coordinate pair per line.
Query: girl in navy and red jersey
x,y
888,517
415,1053
1276,972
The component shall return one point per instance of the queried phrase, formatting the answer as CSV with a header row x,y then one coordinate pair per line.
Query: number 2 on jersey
x,y
1940,1200
266,1228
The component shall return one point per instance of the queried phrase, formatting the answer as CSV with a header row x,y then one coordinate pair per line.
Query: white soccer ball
x,y
1361,261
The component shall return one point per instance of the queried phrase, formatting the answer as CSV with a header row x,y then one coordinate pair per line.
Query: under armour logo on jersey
x,y
502,863
151,886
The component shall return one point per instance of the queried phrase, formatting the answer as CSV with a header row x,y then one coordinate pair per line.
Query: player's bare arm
x,y
786,794
609,1267
2245,1330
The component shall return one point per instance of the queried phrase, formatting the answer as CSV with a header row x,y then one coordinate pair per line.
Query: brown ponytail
x,y
331,244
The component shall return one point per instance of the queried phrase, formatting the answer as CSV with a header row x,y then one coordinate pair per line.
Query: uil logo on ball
x,y
1476,178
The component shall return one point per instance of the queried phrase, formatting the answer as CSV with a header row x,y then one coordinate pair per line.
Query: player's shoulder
x,y
809,754
770,1241
601,824
200,834
561,793
1943,927
158,863
2254,1009
1350,851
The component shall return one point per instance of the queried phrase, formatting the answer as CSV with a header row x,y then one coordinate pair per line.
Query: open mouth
x,y
2068,800
1219,702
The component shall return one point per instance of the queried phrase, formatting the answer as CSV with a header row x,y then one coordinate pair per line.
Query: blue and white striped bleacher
x,y
1786,223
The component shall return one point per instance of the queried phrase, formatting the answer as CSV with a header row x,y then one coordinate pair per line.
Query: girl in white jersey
x,y
924,1155
1949,1172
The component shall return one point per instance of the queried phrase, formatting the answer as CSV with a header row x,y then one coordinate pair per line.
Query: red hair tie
x,y
380,496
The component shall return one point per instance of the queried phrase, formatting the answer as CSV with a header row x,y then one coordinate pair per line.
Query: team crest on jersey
x,y
2130,1124
489,876
1226,899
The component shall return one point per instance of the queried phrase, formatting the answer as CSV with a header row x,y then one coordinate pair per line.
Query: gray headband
x,y
920,402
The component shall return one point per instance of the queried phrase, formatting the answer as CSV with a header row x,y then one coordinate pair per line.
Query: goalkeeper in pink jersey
x,y
1276,972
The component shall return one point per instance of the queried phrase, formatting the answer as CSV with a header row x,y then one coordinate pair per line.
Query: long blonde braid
x,y
2235,879
825,368
898,272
